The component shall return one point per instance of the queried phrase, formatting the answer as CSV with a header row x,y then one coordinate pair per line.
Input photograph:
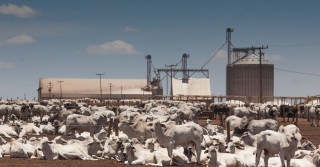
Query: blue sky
x,y
77,39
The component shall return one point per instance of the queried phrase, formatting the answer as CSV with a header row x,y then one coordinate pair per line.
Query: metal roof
x,y
252,59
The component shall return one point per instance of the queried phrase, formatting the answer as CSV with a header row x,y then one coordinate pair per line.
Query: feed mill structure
x,y
243,78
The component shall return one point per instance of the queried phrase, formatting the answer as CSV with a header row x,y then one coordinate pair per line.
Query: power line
x,y
297,72
292,45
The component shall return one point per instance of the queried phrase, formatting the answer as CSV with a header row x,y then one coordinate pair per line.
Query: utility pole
x,y
149,63
185,74
260,54
24,96
260,70
100,86
228,40
60,89
171,75
50,86
110,86
121,91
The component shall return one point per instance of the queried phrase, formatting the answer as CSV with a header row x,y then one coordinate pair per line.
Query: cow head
x,y
149,143
94,146
128,151
307,145
212,152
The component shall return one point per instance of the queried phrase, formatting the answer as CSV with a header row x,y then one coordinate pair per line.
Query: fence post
x,y
308,114
297,114
283,114
221,123
6,117
110,127
228,132
115,125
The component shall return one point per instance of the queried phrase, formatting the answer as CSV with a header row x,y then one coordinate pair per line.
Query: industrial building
x,y
243,78
249,74
71,88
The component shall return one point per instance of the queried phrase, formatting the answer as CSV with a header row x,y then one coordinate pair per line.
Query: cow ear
x,y
163,126
50,142
133,148
239,147
206,151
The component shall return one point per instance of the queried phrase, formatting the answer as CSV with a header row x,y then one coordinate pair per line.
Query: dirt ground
x,y
312,133
22,162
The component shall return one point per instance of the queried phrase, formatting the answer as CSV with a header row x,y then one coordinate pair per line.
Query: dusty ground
x,y
312,133
22,162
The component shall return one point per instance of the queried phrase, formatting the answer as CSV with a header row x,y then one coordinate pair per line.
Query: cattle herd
x,y
157,133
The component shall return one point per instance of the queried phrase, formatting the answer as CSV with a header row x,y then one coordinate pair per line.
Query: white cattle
x,y
4,111
1,152
39,110
190,112
2,141
161,157
234,121
129,116
29,129
213,129
307,145
253,126
20,149
223,159
257,126
244,111
7,131
176,135
314,114
81,123
112,148
47,129
136,155
139,129
53,151
249,139
284,144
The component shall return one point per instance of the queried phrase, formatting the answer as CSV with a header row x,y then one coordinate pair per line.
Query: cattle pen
x,y
302,122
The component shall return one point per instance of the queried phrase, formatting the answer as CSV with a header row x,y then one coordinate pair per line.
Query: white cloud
x,y
18,40
130,29
116,47
275,58
6,65
22,12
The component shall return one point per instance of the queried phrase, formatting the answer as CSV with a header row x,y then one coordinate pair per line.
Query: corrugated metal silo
x,y
243,78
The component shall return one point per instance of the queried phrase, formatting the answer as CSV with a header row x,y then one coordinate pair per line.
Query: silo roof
x,y
252,59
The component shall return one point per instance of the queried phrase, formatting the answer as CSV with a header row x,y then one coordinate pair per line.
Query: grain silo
x,y
243,78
